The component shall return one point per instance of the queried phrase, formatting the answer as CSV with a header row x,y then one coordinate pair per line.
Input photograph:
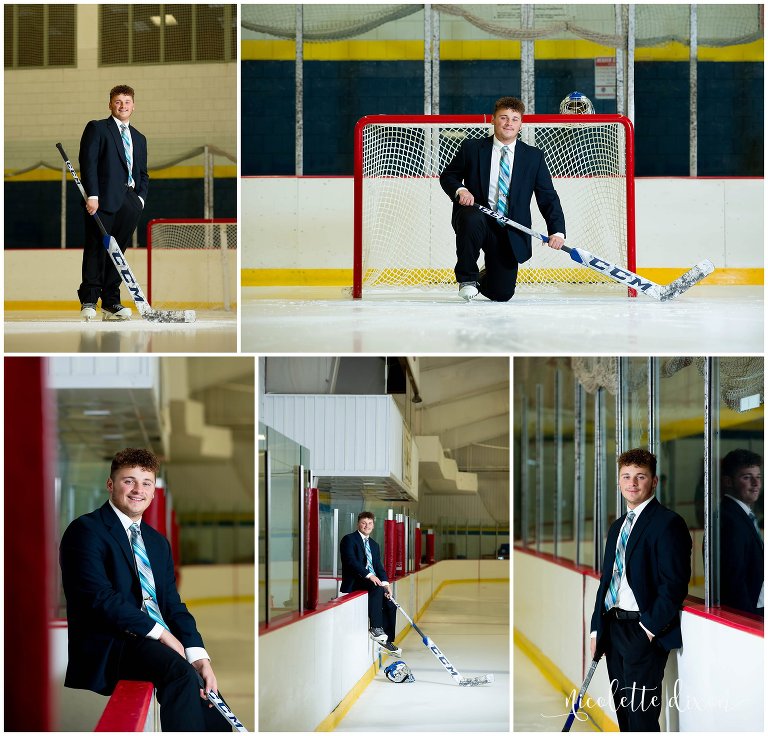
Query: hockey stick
x,y
118,259
223,708
621,275
429,644
577,703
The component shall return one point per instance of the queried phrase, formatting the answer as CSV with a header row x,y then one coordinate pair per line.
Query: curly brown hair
x,y
133,457
509,103
640,457
121,89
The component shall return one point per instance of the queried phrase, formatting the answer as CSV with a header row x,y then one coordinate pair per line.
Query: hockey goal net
x,y
402,225
192,264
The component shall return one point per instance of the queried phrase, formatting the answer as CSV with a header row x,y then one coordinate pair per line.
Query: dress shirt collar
x,y
498,145
119,122
638,509
124,520
748,511
362,535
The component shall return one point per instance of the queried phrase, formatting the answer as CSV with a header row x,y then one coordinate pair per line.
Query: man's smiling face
x,y
132,490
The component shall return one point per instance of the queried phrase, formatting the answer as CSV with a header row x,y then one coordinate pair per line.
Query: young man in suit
x,y
113,170
361,569
742,569
646,569
501,173
126,620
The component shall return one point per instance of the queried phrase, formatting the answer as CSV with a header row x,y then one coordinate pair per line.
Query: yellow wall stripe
x,y
557,679
173,172
498,49
331,721
343,276
220,600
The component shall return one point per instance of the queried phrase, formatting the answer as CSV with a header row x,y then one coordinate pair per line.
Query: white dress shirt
x,y
193,653
493,184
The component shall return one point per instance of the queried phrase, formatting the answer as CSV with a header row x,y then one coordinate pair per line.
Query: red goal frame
x,y
357,274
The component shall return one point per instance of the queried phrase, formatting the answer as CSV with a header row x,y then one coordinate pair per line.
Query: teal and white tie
x,y
146,578
127,147
505,175
368,557
618,564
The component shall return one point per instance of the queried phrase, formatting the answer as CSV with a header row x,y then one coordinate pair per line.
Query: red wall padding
x,y
430,547
127,708
390,548
417,550
155,513
30,546
312,548
400,560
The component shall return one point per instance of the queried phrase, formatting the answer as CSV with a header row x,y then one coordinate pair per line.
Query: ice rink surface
x,y
65,332
706,320
538,704
470,624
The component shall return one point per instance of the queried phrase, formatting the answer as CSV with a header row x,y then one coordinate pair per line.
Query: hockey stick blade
x,y
223,708
687,280
429,644
126,274
617,273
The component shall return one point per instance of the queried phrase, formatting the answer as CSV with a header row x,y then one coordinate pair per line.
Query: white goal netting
x,y
403,227
192,263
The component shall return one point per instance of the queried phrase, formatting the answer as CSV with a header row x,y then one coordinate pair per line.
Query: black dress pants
x,y
382,613
100,277
636,670
177,684
476,231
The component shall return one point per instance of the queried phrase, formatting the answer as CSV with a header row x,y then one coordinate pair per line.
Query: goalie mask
x,y
576,104
399,672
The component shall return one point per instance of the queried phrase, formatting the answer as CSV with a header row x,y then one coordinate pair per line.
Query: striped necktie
x,y
368,557
505,174
146,578
618,564
127,147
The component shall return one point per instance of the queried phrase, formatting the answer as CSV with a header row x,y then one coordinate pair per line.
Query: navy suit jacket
x,y
104,167
353,562
742,569
104,598
658,568
471,168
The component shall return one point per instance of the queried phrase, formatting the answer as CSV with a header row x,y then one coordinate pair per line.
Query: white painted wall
x,y
720,669
295,223
345,435
308,667
81,94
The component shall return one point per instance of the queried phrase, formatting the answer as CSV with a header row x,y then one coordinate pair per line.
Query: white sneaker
x,y
115,312
378,635
468,290
88,311
391,649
